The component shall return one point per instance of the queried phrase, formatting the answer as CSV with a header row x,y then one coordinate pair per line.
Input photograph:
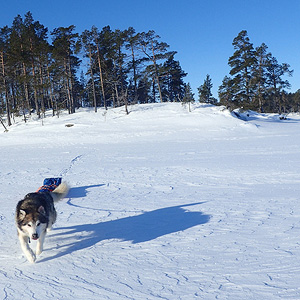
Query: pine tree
x,y
4,34
259,75
120,71
275,72
98,41
143,89
173,87
38,51
124,67
295,99
227,93
241,63
204,91
106,53
87,43
66,63
257,78
188,96
131,44
154,50
19,60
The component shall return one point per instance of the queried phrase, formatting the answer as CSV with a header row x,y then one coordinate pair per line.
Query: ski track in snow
x,y
164,204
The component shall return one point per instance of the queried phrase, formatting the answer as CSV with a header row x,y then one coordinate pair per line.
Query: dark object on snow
x,y
283,117
241,117
6,130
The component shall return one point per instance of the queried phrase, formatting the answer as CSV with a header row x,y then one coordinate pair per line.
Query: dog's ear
x,y
41,210
22,214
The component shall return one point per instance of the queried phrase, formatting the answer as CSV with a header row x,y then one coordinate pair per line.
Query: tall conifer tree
x,y
259,75
173,87
204,91
275,72
64,47
241,63
154,50
188,96
227,93
4,34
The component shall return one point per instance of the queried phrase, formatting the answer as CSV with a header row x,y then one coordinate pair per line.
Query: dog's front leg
x,y
40,243
26,249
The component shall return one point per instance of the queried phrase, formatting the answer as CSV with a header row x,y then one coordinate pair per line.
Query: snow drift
x,y
164,204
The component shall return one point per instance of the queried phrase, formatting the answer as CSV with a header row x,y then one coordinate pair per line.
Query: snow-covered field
x,y
164,204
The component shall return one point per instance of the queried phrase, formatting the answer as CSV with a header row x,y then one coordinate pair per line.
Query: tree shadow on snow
x,y
137,229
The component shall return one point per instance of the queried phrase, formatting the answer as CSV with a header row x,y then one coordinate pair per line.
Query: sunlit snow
x,y
164,204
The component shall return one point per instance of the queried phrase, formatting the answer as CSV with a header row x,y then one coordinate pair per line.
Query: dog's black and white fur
x,y
35,215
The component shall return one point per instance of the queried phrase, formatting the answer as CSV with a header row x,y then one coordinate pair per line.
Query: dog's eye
x,y
29,225
38,224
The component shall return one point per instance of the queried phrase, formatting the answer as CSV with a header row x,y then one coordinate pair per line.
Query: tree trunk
x,y
35,92
158,85
3,125
7,106
68,90
26,89
34,81
117,94
134,75
101,75
126,101
71,86
92,78
42,90
156,73
50,91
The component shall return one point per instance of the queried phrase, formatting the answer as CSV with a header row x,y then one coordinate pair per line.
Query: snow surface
x,y
165,204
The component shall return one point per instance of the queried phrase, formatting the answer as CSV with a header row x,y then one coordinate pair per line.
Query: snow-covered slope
x,y
165,204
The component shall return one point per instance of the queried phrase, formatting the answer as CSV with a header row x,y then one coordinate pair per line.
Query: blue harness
x,y
49,185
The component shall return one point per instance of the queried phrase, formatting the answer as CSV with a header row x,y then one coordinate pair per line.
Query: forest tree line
x,y
122,67
257,80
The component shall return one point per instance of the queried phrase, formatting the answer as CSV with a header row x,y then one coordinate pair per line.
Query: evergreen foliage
x,y
106,68
257,79
188,96
204,91
122,67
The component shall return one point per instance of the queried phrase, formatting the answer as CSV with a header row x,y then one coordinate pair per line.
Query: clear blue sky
x,y
201,31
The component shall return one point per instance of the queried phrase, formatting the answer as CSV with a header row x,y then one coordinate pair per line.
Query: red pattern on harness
x,y
49,185
46,188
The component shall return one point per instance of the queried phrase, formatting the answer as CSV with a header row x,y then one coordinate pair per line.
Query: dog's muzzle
x,y
35,236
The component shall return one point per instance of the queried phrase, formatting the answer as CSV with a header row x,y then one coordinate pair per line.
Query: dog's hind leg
x,y
40,243
52,219
26,249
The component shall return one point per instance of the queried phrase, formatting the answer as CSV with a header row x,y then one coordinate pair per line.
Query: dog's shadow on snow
x,y
81,191
137,229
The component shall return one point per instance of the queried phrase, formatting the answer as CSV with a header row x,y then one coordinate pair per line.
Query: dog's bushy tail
x,y
60,192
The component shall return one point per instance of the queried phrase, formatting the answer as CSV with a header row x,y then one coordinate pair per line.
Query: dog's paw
x,y
31,257
38,251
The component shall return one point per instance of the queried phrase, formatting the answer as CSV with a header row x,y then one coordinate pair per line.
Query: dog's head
x,y
32,222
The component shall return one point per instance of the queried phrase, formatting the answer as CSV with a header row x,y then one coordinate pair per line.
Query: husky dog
x,y
36,214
